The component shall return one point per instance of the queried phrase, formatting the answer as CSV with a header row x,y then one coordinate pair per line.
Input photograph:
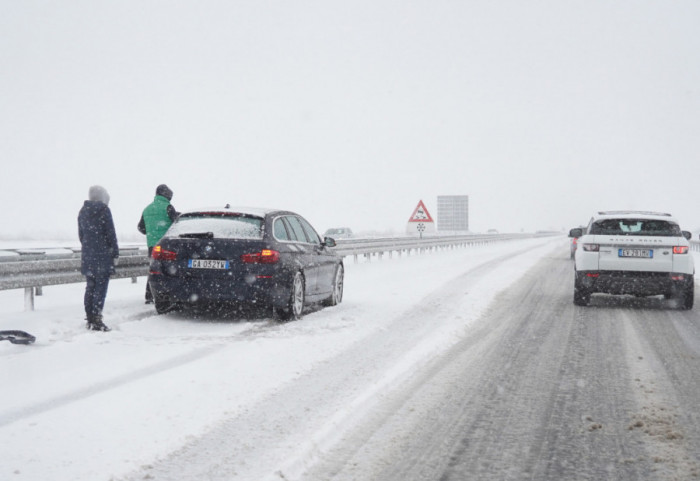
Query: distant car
x,y
492,231
272,259
339,233
573,244
638,253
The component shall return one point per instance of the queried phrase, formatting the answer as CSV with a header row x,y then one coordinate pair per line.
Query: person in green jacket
x,y
155,220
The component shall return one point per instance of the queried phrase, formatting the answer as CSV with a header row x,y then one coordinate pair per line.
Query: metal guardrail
x,y
32,269
399,245
695,246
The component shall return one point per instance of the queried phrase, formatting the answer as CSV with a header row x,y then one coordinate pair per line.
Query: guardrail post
x,y
28,298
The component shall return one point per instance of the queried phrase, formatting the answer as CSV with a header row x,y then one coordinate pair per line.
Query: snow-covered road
x,y
172,397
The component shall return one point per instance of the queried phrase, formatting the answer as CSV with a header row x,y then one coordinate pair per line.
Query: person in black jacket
x,y
99,253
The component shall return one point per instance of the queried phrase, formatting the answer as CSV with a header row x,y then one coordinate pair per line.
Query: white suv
x,y
638,253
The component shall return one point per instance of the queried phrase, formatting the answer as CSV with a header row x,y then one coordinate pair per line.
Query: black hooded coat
x,y
98,239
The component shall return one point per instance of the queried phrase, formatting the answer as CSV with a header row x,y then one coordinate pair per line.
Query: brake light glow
x,y
592,274
265,256
680,250
161,254
591,247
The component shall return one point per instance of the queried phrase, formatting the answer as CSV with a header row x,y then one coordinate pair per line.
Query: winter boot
x,y
96,324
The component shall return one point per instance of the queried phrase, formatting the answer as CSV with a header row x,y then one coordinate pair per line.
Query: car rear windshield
x,y
217,225
641,227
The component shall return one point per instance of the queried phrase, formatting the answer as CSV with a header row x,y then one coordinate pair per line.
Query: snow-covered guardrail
x,y
695,245
32,269
380,246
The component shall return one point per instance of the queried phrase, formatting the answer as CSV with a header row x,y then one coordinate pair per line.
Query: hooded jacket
x,y
157,216
97,235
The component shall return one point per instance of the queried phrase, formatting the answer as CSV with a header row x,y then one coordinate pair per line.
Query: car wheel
x,y
336,296
582,296
295,303
688,296
163,305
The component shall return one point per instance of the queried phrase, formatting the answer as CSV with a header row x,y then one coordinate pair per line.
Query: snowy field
x,y
81,405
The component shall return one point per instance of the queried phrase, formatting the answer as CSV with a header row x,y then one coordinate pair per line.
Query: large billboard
x,y
453,213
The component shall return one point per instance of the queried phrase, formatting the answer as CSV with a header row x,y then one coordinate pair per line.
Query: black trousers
x,y
95,295
149,295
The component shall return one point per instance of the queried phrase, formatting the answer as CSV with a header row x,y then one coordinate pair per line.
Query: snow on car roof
x,y
637,214
255,211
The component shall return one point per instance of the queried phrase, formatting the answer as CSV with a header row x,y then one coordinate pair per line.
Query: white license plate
x,y
207,264
642,253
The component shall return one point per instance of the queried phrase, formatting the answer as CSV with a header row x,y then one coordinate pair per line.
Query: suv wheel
x,y
688,295
582,296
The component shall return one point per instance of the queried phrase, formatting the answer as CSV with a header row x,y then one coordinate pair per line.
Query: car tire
x,y
163,305
336,296
582,296
688,295
294,307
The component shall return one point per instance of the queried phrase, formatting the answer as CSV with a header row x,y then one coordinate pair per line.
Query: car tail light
x,y
265,256
677,277
680,250
591,247
574,240
592,274
161,254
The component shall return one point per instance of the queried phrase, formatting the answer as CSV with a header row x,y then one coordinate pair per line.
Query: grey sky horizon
x,y
350,113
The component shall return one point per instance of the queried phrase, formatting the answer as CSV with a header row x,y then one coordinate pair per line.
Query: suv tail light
x,y
591,247
680,250
265,256
161,254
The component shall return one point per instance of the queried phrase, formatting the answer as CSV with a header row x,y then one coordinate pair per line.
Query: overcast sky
x,y
350,112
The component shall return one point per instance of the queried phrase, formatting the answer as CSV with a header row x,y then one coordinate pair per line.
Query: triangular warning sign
x,y
421,214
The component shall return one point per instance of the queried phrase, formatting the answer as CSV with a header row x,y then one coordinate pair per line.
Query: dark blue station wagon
x,y
271,259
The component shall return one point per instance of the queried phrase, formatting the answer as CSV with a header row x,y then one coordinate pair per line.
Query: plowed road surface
x,y
460,365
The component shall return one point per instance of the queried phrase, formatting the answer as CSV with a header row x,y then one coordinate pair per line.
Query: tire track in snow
x,y
333,394
168,364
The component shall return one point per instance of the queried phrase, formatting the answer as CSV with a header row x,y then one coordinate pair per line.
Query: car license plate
x,y
207,264
641,253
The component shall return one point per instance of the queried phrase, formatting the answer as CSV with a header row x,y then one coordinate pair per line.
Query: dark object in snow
x,y
17,337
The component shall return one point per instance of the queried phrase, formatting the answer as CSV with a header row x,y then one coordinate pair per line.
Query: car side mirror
x,y
329,242
687,234
578,232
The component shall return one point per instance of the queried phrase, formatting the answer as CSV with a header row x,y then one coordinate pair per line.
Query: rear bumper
x,y
633,282
195,291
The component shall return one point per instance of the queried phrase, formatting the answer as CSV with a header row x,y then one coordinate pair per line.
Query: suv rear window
x,y
217,225
641,227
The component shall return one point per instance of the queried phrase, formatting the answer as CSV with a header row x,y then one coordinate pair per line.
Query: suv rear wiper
x,y
197,235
